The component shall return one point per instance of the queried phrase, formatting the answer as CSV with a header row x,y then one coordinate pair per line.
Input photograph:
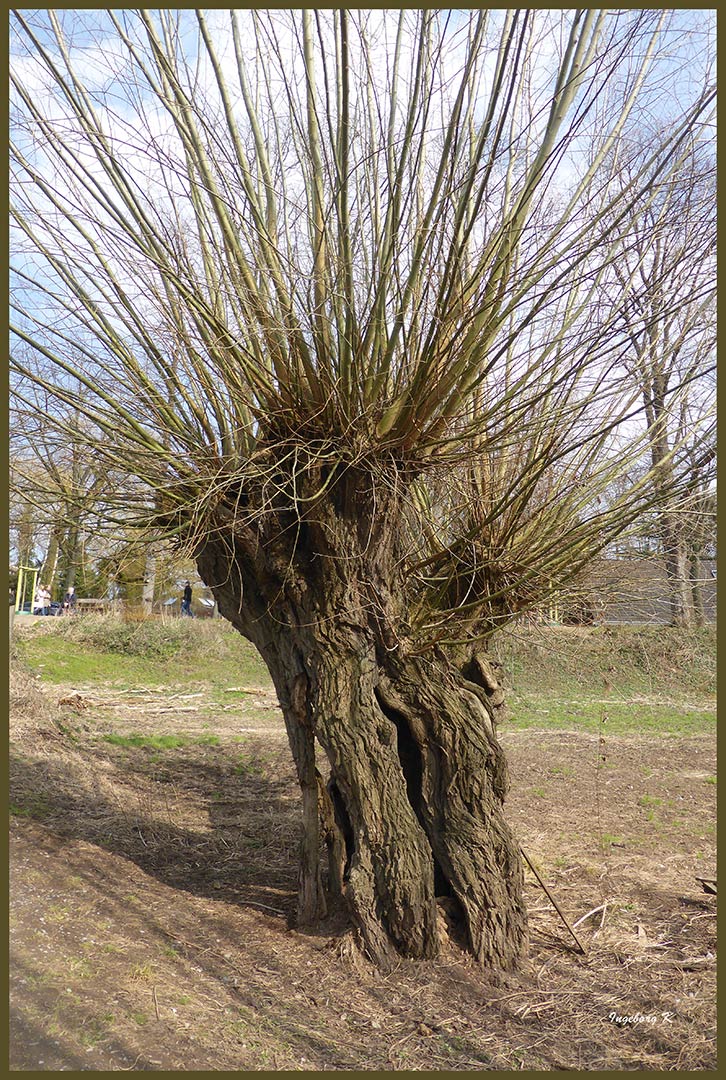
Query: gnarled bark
x,y
418,775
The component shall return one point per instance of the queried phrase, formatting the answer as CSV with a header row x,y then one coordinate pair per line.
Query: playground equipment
x,y
25,591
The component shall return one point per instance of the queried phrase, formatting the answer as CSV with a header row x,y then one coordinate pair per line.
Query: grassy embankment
x,y
152,653
650,680
655,680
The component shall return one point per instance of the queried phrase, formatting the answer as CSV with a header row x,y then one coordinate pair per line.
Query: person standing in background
x,y
186,608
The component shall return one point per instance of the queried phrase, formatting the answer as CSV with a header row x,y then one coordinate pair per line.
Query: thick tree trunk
x,y
675,553
418,776
50,562
149,584
70,555
699,616
678,574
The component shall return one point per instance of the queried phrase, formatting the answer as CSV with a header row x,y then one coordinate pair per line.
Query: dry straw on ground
x,y
152,897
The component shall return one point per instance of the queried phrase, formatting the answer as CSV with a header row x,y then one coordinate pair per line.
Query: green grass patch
x,y
561,770
35,806
609,839
249,767
224,695
94,1030
57,660
95,649
161,742
545,713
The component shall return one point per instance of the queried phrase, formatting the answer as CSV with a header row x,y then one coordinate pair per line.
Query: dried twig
x,y
696,963
602,907
265,907
128,1068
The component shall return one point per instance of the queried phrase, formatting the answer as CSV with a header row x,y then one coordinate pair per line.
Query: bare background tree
x,y
325,285
671,253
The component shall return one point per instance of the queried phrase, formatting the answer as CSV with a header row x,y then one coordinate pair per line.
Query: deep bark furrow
x,y
464,784
391,860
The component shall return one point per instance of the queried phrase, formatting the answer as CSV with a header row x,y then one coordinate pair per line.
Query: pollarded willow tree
x,y
330,281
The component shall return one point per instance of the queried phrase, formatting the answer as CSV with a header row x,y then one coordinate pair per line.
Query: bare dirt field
x,y
153,887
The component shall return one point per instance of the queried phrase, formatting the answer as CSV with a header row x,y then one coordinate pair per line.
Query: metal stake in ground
x,y
553,901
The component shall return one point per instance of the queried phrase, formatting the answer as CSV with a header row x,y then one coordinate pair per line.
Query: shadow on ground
x,y
243,850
